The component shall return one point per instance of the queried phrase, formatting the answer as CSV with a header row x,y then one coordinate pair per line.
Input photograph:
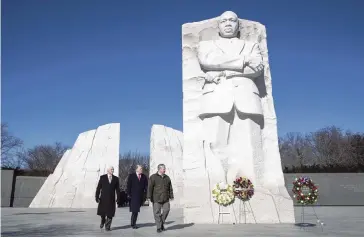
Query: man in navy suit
x,y
136,190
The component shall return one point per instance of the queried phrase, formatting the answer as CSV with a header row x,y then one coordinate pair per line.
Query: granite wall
x,y
26,187
335,189
6,187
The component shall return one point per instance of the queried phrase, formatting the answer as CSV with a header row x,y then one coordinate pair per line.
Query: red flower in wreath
x,y
305,191
243,188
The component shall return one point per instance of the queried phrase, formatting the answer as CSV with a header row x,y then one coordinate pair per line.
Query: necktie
x,y
139,177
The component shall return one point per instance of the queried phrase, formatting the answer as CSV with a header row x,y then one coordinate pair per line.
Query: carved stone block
x,y
166,147
229,121
73,183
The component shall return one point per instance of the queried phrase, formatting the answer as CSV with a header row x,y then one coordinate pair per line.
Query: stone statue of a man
x,y
231,106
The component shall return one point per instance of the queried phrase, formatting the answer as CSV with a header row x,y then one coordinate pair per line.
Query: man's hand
x,y
97,200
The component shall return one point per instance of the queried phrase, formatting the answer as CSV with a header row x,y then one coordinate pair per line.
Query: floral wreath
x,y
223,194
243,188
305,191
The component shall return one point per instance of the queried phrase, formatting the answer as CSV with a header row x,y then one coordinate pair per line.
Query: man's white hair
x,y
138,166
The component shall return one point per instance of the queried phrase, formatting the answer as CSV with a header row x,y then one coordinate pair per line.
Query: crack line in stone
x,y
92,144
208,177
275,206
180,144
169,140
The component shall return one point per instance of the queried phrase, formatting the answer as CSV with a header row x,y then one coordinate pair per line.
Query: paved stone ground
x,y
339,221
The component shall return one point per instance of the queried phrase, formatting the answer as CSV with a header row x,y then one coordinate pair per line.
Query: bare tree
x,y
128,162
357,149
43,157
331,146
295,150
10,146
327,150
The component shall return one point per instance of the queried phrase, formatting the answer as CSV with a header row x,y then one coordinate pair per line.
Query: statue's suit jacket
x,y
238,86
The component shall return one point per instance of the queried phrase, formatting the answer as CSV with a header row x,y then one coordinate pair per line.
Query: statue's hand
x,y
260,67
218,78
248,61
208,78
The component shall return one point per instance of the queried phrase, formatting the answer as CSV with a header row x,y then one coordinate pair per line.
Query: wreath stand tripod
x,y
222,213
304,224
244,209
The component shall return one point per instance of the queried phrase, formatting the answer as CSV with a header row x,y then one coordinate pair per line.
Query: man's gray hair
x,y
138,166
161,166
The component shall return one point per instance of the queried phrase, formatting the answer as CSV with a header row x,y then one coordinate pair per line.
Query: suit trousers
x,y
106,221
159,216
133,219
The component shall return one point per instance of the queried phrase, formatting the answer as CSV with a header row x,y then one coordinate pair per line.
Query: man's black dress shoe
x,y
162,228
159,230
135,227
101,225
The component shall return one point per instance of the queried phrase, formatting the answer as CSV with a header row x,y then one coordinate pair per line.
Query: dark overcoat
x,y
136,190
107,203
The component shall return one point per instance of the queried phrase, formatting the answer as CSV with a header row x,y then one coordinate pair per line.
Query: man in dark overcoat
x,y
108,186
136,189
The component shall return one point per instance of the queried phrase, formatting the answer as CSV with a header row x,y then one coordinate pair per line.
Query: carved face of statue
x,y
228,24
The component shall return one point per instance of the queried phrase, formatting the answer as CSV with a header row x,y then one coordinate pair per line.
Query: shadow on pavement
x,y
140,225
52,230
179,226
41,213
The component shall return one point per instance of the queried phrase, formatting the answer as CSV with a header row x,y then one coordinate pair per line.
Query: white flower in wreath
x,y
223,194
223,186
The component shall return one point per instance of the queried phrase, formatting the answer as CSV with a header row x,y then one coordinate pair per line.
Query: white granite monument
x,y
166,147
73,183
229,121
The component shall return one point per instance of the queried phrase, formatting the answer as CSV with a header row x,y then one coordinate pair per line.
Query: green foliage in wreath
x,y
305,191
223,194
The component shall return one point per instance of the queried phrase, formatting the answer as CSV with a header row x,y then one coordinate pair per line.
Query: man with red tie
x,y
136,189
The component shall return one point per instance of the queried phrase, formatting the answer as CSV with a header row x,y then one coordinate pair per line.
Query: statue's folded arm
x,y
212,59
255,65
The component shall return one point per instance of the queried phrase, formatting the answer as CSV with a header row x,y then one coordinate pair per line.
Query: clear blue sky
x,y
69,66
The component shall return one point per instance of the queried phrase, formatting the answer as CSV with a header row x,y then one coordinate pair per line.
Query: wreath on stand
x,y
243,188
223,194
305,191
